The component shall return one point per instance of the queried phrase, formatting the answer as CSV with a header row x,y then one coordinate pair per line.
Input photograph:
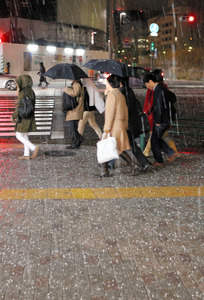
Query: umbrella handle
x,y
143,128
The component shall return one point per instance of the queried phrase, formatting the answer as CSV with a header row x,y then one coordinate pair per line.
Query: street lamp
x,y
68,50
80,52
51,49
32,47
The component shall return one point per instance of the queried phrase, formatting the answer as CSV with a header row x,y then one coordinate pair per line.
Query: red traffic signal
x,y
191,19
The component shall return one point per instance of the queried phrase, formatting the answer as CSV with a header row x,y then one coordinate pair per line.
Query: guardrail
x,y
188,126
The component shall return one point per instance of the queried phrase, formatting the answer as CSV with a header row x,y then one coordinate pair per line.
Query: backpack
x,y
172,97
26,108
172,100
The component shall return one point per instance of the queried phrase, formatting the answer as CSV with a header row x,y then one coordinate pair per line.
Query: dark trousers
x,y
143,161
75,137
159,145
43,79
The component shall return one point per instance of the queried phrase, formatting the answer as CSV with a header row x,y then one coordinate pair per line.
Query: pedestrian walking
x,y
42,77
89,116
134,110
116,120
161,118
25,125
148,109
7,68
73,116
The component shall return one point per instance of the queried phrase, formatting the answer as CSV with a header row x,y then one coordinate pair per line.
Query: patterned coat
x,y
25,84
116,119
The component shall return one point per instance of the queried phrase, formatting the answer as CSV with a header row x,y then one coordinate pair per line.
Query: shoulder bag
x,y
69,102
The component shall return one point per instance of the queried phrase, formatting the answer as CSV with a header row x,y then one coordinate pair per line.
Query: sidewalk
x,y
68,235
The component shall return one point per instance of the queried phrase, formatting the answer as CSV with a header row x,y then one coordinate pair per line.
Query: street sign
x,y
154,28
126,45
127,40
153,33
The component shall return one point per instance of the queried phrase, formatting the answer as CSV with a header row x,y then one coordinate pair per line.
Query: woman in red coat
x,y
147,109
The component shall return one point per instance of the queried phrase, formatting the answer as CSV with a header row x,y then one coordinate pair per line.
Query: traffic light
x,y
152,46
189,19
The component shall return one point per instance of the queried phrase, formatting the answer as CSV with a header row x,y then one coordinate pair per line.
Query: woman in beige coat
x,y
73,116
116,120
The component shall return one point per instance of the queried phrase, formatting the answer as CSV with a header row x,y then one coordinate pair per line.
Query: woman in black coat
x,y
134,109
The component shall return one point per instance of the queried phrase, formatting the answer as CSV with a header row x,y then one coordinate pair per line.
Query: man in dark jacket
x,y
73,116
161,119
134,109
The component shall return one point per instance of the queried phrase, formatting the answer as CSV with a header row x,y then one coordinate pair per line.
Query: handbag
x,y
107,149
69,102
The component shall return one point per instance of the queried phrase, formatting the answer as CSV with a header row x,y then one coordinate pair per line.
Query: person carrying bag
x,y
72,116
116,123
107,148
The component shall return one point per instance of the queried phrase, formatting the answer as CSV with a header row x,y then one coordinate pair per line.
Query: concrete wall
x,y
23,61
83,13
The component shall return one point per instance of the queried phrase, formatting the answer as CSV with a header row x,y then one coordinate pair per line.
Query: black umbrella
x,y
137,72
91,63
114,67
108,65
66,71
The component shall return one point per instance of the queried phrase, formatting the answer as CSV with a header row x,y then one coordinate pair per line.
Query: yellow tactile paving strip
x,y
102,193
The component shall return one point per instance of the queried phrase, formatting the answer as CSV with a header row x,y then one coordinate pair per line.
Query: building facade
x,y
62,23
127,28
179,45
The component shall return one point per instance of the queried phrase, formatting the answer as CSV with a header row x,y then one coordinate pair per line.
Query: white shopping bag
x,y
107,149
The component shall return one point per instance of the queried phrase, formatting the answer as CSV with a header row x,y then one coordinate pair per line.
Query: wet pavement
x,y
65,234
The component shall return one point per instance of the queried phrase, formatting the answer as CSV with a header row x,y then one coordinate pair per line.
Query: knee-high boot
x,y
147,148
170,142
173,146
127,158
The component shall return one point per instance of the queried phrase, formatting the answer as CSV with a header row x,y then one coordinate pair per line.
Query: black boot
x,y
104,170
127,158
74,145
